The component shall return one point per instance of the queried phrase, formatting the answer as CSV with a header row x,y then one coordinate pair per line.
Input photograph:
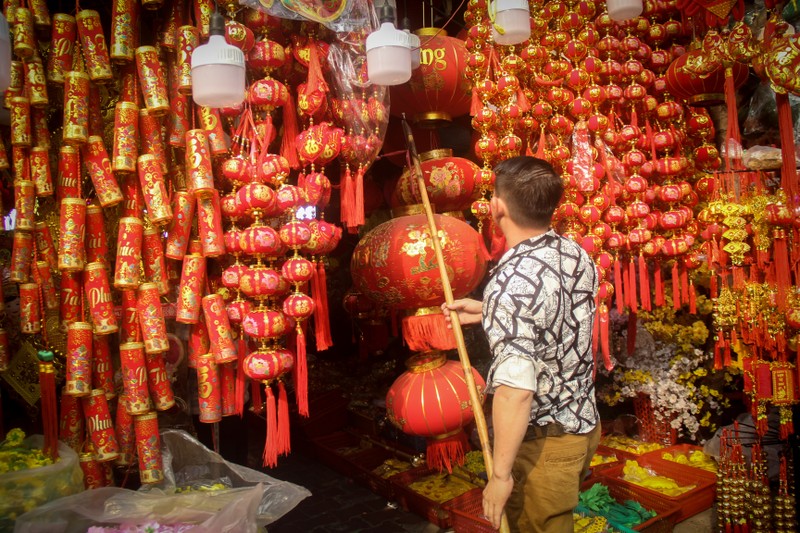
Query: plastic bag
x,y
253,500
24,490
762,158
211,512
187,463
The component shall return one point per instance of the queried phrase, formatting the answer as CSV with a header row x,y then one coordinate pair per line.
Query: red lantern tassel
x,y
692,298
733,120
727,353
783,275
288,143
789,168
712,286
605,338
358,199
346,197
541,146
322,306
447,450
475,105
596,338
644,284
719,346
738,278
618,293
676,287
284,438
241,378
271,440
47,386
522,101
632,301
427,332
255,398
684,285
659,285
301,372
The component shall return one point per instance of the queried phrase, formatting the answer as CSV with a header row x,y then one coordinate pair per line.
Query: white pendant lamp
x,y
218,73
511,21
390,51
620,10
5,54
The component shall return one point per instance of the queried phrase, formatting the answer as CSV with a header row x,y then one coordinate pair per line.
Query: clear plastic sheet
x,y
252,500
24,489
336,15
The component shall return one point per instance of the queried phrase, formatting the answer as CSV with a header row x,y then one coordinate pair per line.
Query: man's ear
x,y
498,207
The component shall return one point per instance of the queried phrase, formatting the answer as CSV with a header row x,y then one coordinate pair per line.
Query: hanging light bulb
x,y
390,51
5,54
511,21
218,74
620,10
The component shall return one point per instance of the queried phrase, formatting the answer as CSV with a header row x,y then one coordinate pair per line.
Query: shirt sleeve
x,y
513,334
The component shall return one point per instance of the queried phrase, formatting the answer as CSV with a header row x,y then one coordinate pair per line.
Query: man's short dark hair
x,y
530,188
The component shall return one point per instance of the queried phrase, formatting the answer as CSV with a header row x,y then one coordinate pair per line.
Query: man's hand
x,y
495,496
469,311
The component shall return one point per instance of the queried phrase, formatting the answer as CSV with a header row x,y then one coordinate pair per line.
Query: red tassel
x,y
255,398
649,133
358,199
719,345
676,287
712,285
727,353
620,296
427,332
475,105
49,409
692,298
284,438
290,131
301,372
522,101
498,242
632,301
789,168
322,305
271,441
684,285
783,275
316,80
631,333
605,337
241,378
644,284
659,285
738,278
444,453
346,197
541,146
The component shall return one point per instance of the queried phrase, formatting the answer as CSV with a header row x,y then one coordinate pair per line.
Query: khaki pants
x,y
547,477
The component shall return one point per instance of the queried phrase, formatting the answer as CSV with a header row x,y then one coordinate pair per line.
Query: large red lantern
x,y
439,89
694,78
431,399
452,182
395,266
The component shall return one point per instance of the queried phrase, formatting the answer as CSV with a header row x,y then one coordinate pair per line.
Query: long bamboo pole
x,y
463,356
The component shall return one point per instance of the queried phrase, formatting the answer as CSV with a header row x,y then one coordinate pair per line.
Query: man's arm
x,y
511,410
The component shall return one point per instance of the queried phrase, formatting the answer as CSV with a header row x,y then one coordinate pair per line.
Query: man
x,y
538,312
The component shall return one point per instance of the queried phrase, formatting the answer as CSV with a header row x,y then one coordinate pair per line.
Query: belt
x,y
553,429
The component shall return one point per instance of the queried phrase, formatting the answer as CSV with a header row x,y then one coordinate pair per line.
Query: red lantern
x,y
451,182
439,89
431,399
701,89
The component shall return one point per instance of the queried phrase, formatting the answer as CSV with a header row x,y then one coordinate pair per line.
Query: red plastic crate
x,y
605,451
369,460
432,511
465,511
694,501
666,512
680,449
331,451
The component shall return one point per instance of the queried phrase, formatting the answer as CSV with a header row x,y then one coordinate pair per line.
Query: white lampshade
x,y
218,73
621,10
389,55
5,54
513,18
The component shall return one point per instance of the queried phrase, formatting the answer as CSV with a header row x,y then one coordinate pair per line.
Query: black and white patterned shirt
x,y
538,313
